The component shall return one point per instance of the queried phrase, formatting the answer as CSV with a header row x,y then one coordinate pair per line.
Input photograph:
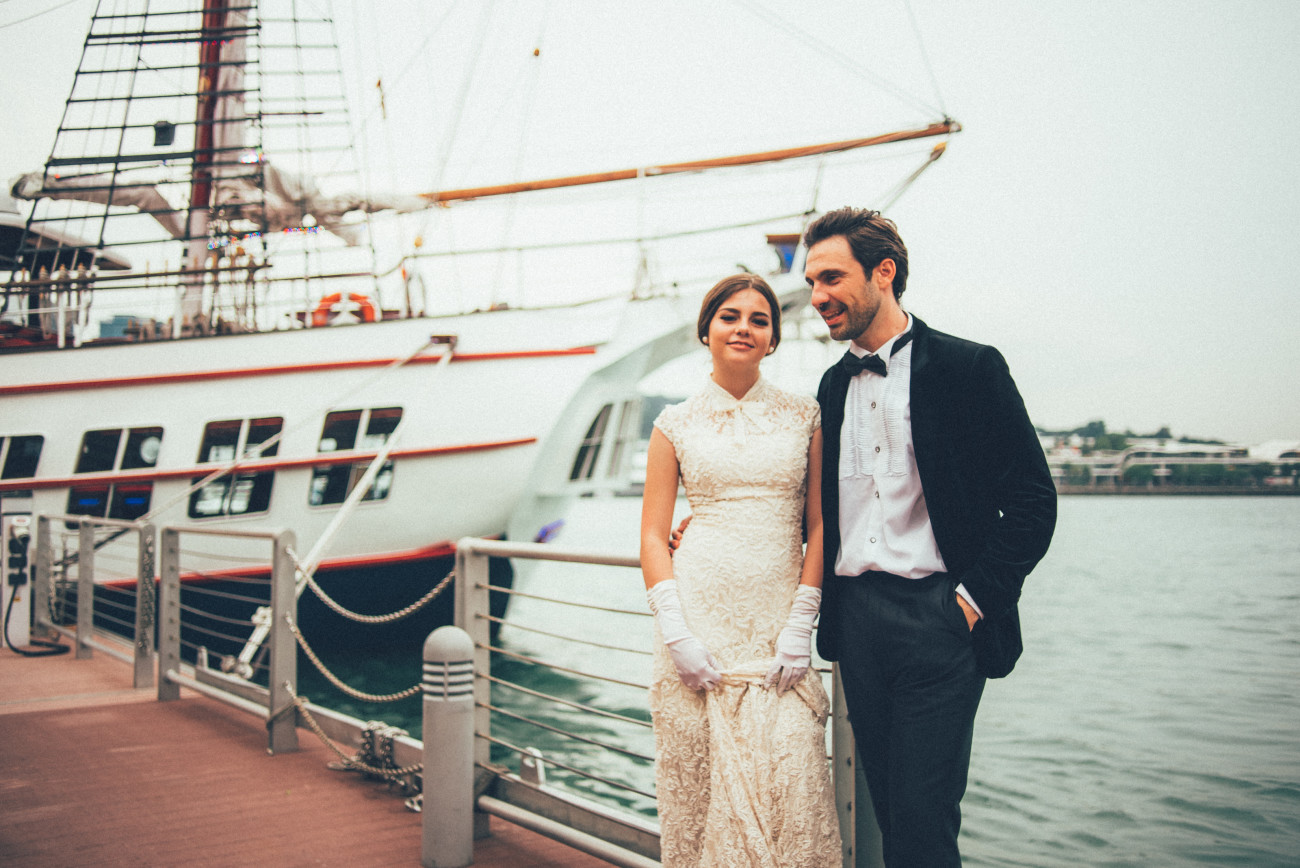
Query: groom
x,y
937,502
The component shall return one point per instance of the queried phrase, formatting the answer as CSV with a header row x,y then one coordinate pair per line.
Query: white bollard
x,y
447,817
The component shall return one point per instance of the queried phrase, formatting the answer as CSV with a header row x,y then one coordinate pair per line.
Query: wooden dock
x,y
95,772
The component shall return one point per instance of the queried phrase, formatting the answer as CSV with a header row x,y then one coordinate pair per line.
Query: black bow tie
x,y
872,362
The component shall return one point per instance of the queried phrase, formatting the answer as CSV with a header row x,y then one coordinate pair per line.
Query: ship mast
x,y
196,223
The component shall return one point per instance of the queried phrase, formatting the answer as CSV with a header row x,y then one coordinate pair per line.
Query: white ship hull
x,y
506,416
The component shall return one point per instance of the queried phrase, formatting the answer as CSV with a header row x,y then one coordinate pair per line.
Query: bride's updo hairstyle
x,y
725,289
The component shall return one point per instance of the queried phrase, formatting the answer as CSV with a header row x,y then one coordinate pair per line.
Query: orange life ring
x,y
330,306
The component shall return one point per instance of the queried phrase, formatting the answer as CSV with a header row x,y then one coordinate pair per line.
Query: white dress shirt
x,y
884,522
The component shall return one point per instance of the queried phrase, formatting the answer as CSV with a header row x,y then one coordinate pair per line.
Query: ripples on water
x,y
1153,721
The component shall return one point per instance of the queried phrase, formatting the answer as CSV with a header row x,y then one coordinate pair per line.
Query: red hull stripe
x,y
274,370
257,466
428,553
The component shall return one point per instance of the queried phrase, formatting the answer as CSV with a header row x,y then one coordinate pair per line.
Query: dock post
x,y
447,817
85,589
473,606
169,613
282,677
43,566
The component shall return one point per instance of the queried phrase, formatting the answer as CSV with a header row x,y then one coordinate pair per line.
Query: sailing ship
x,y
270,373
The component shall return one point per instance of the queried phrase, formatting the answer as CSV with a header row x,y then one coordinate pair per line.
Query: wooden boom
x,y
945,127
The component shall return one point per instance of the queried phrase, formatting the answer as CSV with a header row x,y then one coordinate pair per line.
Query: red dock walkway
x,y
95,772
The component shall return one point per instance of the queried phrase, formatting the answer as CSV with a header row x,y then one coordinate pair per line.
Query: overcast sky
x,y
1120,214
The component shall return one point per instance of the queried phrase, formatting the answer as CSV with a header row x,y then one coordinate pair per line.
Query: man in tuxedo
x,y
936,503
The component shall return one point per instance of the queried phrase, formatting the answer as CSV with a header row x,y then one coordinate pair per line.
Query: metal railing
x,y
101,569
508,776
524,796
281,650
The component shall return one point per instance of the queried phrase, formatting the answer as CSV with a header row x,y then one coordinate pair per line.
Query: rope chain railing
x,y
337,682
354,762
338,608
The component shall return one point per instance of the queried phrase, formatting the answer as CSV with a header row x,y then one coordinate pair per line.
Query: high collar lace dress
x,y
741,773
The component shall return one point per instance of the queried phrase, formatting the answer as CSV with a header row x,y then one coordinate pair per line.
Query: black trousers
x,y
912,690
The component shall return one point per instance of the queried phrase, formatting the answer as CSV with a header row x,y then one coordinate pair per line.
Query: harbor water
x,y
1154,719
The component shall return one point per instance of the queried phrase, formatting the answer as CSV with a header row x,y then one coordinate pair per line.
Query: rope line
x,y
352,762
371,619
334,679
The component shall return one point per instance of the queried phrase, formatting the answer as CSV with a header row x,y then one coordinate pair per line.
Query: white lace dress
x,y
741,773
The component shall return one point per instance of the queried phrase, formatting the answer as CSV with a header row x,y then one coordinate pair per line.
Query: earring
x,y
705,340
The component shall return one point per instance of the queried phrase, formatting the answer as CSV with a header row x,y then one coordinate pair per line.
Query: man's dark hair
x,y
871,237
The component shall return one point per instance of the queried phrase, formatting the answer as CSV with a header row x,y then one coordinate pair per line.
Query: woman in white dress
x,y
741,767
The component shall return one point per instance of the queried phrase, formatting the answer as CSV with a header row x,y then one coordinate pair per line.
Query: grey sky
x,y
1119,215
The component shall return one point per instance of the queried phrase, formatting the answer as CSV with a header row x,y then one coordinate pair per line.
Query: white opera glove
x,y
794,645
695,665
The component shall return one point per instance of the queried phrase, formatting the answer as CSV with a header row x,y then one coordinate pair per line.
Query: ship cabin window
x,y
107,450
629,423
332,483
584,463
20,455
238,493
98,450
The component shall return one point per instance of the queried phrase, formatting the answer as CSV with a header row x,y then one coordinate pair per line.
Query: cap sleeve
x,y
811,411
669,421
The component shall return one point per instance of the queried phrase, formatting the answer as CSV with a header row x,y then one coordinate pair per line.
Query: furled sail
x,y
282,199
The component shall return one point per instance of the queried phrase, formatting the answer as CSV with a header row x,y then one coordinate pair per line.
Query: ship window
x,y
340,431
129,502
142,447
333,483
88,500
220,440
259,431
584,464
21,455
236,493
98,451
629,420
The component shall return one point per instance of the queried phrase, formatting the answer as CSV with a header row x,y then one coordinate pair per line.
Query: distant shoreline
x,y
1183,490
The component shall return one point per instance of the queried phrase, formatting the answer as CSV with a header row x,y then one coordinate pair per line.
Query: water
x,y
1153,721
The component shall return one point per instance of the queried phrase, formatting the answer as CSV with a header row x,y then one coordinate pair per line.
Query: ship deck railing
x,y
115,565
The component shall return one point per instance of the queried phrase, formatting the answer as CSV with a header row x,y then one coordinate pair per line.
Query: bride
x,y
741,767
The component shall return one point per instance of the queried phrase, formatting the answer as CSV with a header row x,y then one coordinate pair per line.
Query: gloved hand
x,y
695,665
794,645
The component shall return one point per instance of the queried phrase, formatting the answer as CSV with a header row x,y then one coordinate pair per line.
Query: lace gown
x,y
741,773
